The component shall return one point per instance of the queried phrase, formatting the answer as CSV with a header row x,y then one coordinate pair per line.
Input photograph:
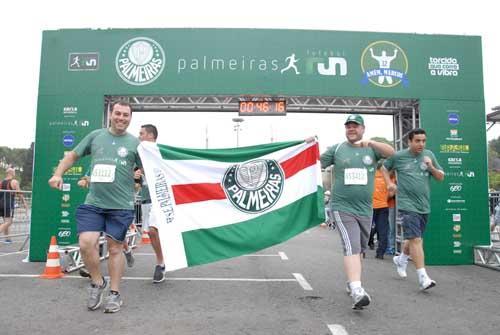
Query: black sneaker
x,y
130,258
159,274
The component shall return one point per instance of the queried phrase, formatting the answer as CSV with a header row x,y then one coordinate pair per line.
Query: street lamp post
x,y
237,128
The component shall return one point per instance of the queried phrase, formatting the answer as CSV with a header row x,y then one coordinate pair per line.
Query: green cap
x,y
356,118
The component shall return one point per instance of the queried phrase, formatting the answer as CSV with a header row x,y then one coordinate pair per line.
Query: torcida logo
x,y
254,186
384,64
140,61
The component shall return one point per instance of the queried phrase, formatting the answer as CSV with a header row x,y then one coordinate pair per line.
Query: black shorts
x,y
7,212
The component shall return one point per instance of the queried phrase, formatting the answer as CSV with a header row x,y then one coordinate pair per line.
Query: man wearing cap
x,y
355,162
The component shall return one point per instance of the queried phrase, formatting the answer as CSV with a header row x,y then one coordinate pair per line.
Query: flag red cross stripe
x,y
188,193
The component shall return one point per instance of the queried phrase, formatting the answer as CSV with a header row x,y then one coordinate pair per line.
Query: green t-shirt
x,y
113,159
413,179
354,172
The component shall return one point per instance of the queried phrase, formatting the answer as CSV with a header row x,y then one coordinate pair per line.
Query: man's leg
x,y
391,233
117,224
352,267
89,248
155,243
159,272
116,263
4,228
354,233
382,227
415,247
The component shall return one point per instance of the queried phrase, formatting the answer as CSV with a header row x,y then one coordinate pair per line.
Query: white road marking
x,y
283,255
172,279
302,281
13,253
337,330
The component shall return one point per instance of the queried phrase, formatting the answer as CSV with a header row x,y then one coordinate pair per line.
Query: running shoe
x,y
426,283
159,274
95,295
360,298
112,303
400,266
130,258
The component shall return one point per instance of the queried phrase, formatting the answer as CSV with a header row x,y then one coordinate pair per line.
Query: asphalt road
x,y
255,294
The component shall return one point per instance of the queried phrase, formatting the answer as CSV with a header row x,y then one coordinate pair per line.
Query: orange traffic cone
x,y
145,238
53,266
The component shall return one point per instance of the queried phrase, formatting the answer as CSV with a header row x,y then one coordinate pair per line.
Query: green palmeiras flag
x,y
210,205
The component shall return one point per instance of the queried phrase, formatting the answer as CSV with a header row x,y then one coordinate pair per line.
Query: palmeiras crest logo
x,y
384,64
140,61
254,186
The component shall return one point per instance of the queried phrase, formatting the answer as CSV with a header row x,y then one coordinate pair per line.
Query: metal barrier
x,y
489,255
71,258
15,213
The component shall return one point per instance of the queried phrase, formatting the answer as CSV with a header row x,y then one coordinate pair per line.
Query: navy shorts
x,y
413,224
114,222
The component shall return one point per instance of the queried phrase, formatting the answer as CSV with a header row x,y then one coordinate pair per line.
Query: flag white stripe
x,y
206,171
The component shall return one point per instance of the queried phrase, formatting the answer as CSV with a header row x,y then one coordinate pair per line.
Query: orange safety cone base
x,y
48,275
53,266
145,238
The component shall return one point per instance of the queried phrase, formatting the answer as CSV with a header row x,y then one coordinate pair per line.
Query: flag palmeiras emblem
x,y
254,186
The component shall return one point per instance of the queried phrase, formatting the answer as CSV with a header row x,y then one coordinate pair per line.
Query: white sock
x,y
421,273
354,285
404,257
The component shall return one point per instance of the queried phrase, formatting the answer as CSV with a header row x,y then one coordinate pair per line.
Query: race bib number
x,y
103,173
355,177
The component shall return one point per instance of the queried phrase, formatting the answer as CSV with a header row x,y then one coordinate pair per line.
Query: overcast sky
x,y
21,36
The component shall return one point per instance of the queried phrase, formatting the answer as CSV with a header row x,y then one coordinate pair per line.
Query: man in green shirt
x,y
414,167
355,162
149,133
109,205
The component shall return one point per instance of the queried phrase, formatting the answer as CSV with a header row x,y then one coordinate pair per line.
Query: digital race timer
x,y
262,107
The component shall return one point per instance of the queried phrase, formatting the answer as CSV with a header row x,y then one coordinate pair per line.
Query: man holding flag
x,y
355,163
149,133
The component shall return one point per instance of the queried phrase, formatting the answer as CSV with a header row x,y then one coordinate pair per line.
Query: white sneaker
x,y
400,266
426,283
360,298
